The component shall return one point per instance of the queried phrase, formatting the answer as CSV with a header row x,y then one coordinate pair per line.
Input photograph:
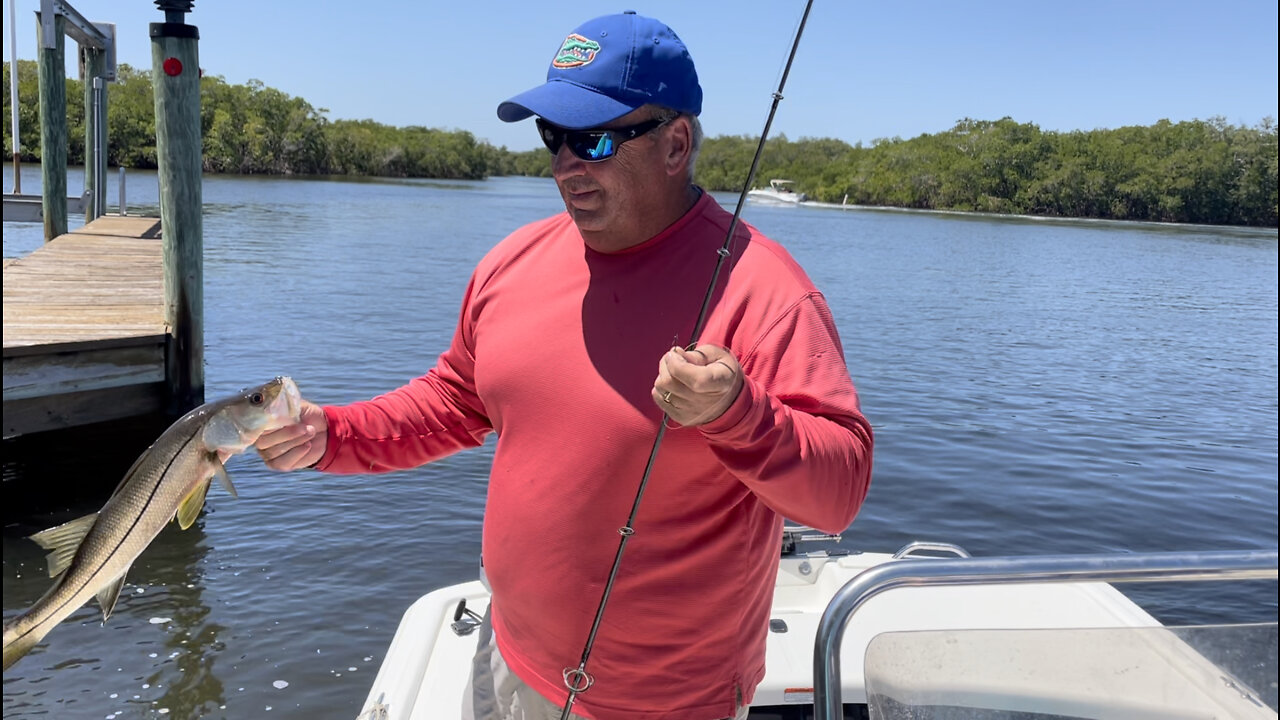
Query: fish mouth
x,y
285,406
292,398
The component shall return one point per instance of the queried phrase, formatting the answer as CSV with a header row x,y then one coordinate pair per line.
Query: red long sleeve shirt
x,y
557,350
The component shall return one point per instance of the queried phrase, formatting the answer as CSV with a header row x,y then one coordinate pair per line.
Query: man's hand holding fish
x,y
297,445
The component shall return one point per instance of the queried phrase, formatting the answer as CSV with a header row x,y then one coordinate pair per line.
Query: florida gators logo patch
x,y
576,52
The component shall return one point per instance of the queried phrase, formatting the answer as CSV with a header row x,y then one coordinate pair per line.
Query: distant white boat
x,y
778,191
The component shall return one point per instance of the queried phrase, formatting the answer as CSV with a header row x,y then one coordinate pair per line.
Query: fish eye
x,y
255,399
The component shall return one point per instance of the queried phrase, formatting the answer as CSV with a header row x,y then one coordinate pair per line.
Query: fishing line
x,y
578,680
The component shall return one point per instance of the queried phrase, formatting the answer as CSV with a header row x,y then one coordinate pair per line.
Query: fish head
x,y
267,407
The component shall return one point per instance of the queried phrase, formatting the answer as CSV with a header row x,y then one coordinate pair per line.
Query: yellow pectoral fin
x,y
190,507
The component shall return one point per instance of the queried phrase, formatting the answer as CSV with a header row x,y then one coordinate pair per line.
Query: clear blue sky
x,y
865,70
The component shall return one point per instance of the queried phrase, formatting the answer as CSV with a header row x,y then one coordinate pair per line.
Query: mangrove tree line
x,y
251,129
1199,171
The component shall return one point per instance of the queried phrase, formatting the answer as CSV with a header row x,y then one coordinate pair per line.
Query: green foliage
x,y
532,163
131,119
1198,171
252,128
28,112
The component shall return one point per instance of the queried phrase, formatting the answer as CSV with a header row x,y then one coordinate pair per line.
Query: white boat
x,y
779,191
957,637
30,208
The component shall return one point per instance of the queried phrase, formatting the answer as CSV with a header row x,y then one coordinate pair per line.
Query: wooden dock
x,y
107,322
84,329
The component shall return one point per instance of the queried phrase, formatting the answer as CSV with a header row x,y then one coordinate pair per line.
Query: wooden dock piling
x,y
53,122
175,77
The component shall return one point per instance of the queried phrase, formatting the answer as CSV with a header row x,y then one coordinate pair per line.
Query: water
x,y
1036,387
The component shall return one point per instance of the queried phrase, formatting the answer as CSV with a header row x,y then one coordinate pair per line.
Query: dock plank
x,y
105,281
29,415
35,376
126,226
84,331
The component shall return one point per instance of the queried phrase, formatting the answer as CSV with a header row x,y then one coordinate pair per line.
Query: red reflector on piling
x,y
172,66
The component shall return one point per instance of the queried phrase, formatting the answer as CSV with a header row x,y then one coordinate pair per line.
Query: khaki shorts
x,y
495,693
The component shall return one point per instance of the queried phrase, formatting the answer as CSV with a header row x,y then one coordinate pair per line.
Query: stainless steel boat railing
x,y
919,546
1113,568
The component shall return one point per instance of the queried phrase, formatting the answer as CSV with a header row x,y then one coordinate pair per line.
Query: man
x,y
561,327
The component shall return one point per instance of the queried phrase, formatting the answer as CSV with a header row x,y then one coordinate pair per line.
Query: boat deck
x,y
427,663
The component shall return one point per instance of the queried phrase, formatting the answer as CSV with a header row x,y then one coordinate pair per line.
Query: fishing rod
x,y
578,680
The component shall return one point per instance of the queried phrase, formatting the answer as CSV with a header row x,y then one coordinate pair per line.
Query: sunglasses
x,y
594,145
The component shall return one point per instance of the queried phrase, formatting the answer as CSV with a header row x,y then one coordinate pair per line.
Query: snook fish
x,y
90,556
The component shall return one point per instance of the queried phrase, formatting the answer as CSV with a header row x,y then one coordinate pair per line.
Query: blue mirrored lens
x,y
602,149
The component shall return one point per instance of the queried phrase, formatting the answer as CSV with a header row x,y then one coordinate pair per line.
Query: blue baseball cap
x,y
608,67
